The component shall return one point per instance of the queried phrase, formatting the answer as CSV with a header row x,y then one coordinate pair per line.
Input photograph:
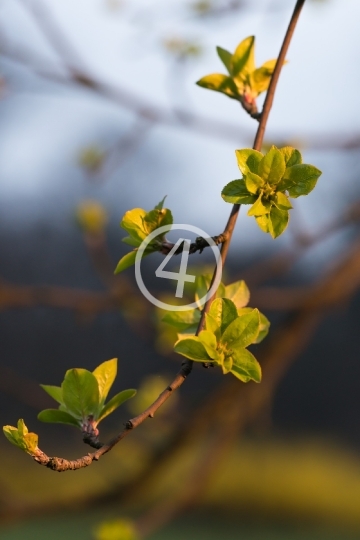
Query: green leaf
x,y
132,222
264,323
105,375
236,193
55,416
129,259
212,325
202,285
291,156
155,219
81,392
299,180
191,347
260,77
182,320
260,207
227,365
264,222
238,293
21,437
115,402
208,339
245,366
272,166
243,331
248,160
223,311
253,182
219,83
282,202
226,57
279,220
126,261
54,391
243,59
160,205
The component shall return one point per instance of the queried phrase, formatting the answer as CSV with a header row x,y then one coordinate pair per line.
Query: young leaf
x,y
243,59
219,83
81,392
191,347
54,391
236,192
126,261
238,293
226,57
245,366
272,166
227,365
279,220
115,402
182,320
212,325
105,375
132,222
223,311
291,156
243,331
129,259
264,323
208,339
248,160
202,285
21,437
282,202
55,416
299,180
264,222
253,182
160,205
260,207
157,218
260,78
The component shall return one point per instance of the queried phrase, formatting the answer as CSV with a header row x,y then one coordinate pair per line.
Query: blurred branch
x,y
80,76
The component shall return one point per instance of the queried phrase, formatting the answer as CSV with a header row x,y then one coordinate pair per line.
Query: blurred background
x,y
100,114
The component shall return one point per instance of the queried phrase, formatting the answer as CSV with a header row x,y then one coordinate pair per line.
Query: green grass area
x,y
199,527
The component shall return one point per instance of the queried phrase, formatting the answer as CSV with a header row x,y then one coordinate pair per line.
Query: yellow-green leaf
x,y
55,416
236,192
272,166
191,347
81,393
226,57
248,160
245,366
219,83
105,375
115,402
243,60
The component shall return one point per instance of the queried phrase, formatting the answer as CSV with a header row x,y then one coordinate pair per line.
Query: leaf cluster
x,y
82,396
224,341
244,81
139,224
21,438
268,182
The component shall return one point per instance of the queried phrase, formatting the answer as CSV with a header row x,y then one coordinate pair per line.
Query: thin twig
x,y
60,464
